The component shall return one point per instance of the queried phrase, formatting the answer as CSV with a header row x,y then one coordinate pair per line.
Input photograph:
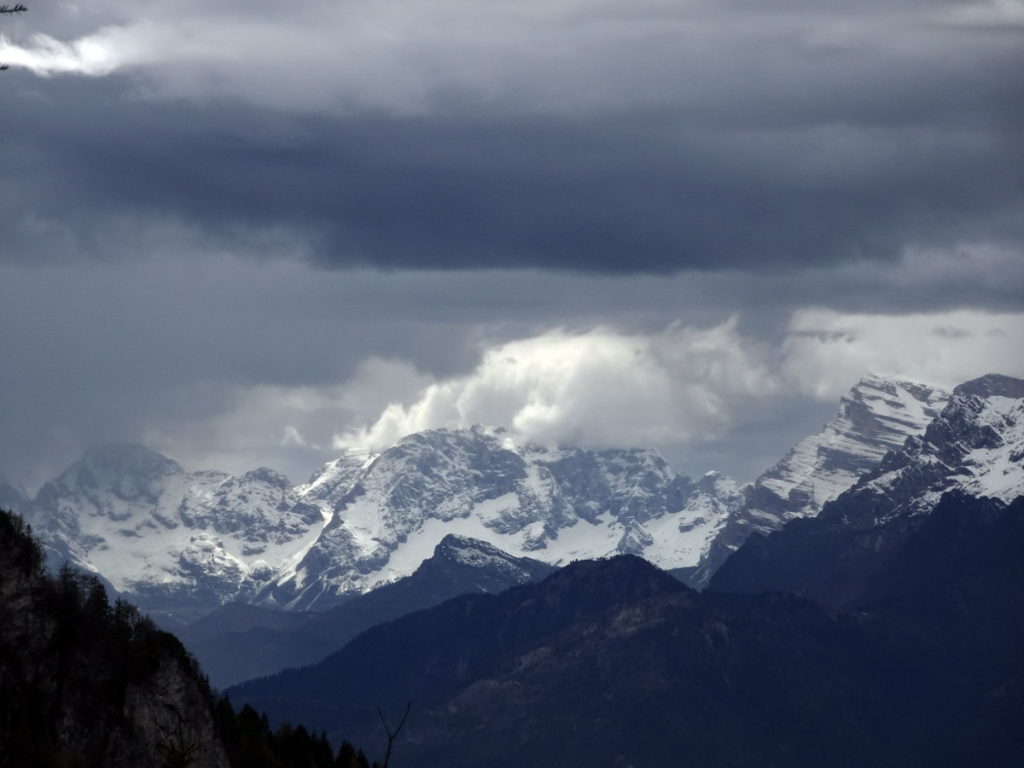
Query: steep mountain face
x,y
333,480
975,447
553,505
274,640
613,662
876,416
175,542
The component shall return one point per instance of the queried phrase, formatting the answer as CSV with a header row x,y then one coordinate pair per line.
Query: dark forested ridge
x,y
88,684
614,660
276,640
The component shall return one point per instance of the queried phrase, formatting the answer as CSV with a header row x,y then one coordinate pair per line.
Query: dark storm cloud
x,y
204,241
811,146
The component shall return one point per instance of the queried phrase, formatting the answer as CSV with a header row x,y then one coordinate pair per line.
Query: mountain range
x,y
613,662
868,608
183,543
975,447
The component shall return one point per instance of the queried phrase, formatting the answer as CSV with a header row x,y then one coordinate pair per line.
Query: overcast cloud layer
x,y
254,233
590,134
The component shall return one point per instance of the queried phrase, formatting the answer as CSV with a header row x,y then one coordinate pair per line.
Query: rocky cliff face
x,y
973,449
876,416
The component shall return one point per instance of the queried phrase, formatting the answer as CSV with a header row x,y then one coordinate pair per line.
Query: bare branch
x,y
392,735
10,10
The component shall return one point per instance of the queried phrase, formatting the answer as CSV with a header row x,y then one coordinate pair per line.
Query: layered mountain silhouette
x,y
238,641
614,659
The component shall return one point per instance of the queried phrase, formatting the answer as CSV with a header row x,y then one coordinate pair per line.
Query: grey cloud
x,y
799,138
124,351
174,233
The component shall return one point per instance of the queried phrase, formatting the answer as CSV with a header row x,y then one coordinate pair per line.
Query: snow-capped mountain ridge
x,y
188,541
976,446
170,539
553,504
876,416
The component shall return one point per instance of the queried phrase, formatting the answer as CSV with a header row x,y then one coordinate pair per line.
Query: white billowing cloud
x,y
687,384
599,388
826,351
681,390
45,55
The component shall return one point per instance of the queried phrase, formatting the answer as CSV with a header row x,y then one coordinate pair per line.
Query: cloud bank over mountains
x,y
247,232
686,384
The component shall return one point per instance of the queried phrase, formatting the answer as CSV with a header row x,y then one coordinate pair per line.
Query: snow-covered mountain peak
x,y
334,479
555,504
877,415
125,470
466,550
992,384
171,538
268,476
975,445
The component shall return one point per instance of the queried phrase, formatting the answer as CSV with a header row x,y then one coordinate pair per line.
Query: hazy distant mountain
x,y
974,447
173,541
876,416
554,505
12,497
274,640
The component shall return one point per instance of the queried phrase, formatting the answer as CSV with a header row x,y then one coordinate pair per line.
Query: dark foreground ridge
x,y
614,662
274,640
86,684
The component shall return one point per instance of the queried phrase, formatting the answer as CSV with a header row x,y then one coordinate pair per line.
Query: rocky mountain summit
x,y
555,505
973,449
175,542
876,416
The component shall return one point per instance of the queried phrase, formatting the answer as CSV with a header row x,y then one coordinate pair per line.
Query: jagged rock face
x,y
976,445
331,482
555,505
973,449
875,416
173,541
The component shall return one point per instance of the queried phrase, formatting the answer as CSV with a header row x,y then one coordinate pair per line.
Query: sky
x,y
260,234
